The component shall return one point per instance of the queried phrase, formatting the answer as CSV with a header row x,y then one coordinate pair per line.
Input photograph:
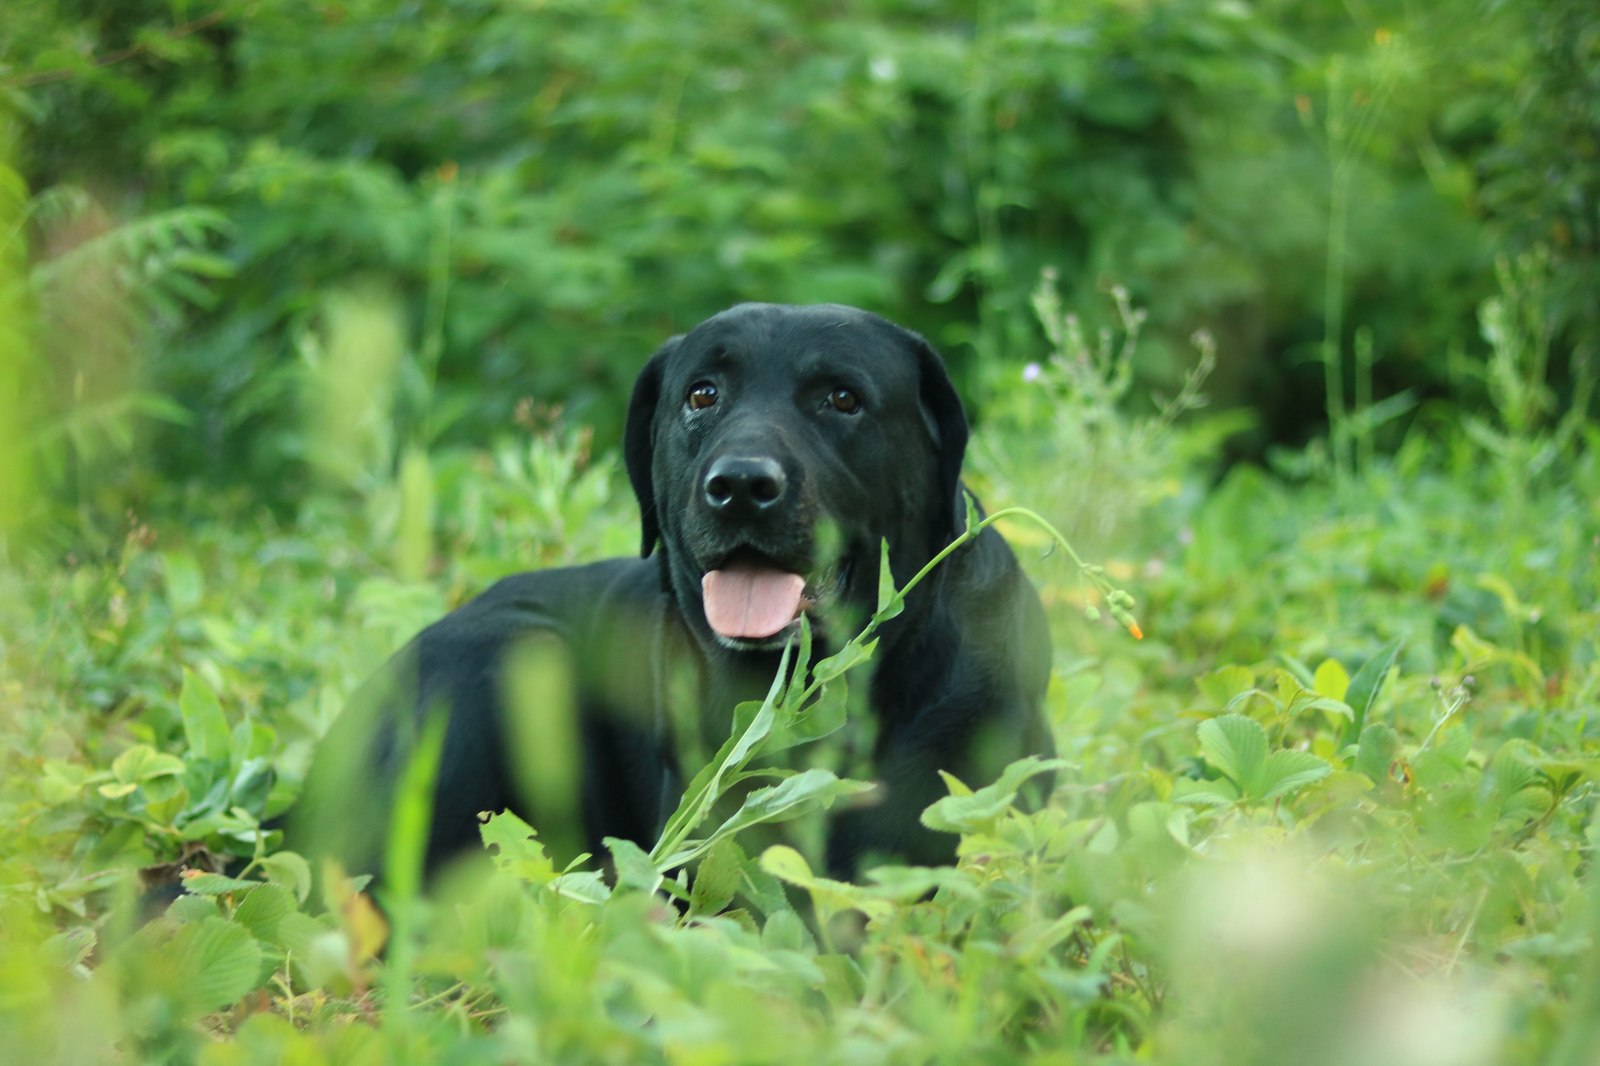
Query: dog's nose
x,y
737,484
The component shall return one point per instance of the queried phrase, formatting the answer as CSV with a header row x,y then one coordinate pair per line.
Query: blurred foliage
x,y
548,190
312,315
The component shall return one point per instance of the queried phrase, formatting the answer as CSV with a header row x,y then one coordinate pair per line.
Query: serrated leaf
x,y
1204,793
205,726
218,960
1286,771
515,848
1516,766
1235,746
634,868
717,879
262,910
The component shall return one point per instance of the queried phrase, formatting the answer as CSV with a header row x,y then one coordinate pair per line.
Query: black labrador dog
x,y
772,449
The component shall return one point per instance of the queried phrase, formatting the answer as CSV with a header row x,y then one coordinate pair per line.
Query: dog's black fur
x,y
828,430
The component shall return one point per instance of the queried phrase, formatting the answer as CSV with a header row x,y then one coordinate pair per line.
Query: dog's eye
x,y
702,394
844,401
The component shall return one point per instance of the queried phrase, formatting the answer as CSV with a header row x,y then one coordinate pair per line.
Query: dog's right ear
x,y
638,443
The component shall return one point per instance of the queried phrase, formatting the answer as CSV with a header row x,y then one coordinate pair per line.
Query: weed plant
x,y
1335,807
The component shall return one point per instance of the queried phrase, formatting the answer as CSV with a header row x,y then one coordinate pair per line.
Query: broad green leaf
x,y
1516,766
218,960
1236,746
515,848
142,763
1379,746
1365,686
1204,793
634,868
289,870
1331,679
585,886
716,880
789,865
1220,686
262,910
205,726
1286,771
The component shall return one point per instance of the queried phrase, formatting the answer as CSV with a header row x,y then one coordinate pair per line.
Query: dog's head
x,y
773,447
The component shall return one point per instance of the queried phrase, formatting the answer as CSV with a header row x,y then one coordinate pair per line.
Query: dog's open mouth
x,y
750,596
749,600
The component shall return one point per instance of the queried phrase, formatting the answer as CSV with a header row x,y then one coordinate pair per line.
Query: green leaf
x,y
1288,771
789,865
1205,793
515,848
1331,679
848,657
262,910
1376,752
585,886
634,869
199,883
890,602
790,798
205,726
218,961
1366,685
717,879
142,763
290,870
1235,746
1222,685
973,812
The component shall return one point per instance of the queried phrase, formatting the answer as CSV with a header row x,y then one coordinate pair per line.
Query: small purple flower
x,y
1032,372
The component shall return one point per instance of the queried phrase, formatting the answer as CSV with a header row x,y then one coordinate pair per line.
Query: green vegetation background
x,y
316,317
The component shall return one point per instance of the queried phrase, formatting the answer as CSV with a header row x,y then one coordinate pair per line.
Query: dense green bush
x,y
546,193
1338,804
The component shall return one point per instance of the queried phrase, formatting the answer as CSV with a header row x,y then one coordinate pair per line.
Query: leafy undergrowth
x,y
1336,807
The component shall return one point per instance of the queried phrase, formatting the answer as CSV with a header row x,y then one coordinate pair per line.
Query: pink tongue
x,y
750,603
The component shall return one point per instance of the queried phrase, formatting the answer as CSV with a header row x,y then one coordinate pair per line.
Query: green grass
x,y
1335,807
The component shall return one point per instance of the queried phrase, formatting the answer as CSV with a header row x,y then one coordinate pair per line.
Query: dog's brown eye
x,y
701,396
844,401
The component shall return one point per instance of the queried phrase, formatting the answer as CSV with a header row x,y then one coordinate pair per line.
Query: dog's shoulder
x,y
590,607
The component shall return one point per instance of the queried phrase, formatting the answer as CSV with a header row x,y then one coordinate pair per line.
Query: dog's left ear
x,y
638,443
947,423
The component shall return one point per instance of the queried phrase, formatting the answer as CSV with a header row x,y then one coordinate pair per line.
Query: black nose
x,y
740,485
